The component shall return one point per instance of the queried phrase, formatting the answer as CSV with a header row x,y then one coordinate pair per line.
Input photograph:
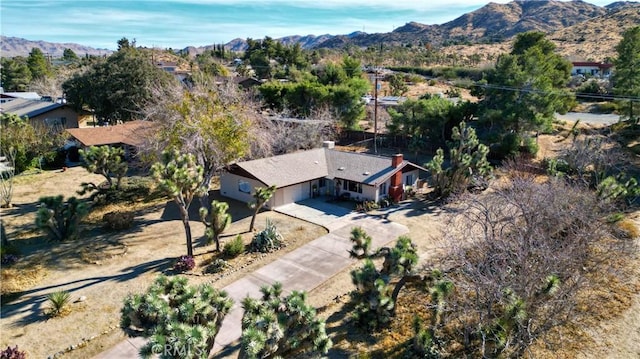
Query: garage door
x,y
296,193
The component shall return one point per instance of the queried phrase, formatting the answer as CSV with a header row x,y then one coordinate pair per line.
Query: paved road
x,y
590,118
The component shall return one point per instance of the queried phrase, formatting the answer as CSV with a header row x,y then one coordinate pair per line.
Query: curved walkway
x,y
303,269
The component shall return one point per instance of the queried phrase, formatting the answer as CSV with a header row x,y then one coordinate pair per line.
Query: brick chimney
x,y
396,160
396,188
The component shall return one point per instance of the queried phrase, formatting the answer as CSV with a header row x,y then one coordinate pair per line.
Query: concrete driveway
x,y
303,269
318,211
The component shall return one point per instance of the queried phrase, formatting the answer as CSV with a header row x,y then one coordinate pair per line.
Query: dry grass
x,y
21,277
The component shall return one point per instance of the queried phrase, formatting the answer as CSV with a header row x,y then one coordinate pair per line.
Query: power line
x,y
541,92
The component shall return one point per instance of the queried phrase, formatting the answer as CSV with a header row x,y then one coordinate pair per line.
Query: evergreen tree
x,y
15,74
626,77
38,64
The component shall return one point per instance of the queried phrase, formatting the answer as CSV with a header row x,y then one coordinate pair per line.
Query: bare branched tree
x,y
7,173
519,258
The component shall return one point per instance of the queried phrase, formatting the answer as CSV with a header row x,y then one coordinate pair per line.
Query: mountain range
x,y
566,22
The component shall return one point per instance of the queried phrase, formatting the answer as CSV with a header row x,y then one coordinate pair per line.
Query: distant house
x,y
595,69
129,136
9,96
51,114
321,172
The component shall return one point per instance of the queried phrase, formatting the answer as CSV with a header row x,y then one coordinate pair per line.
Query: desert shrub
x,y
184,264
268,240
58,303
217,266
433,82
171,314
277,326
60,219
607,107
367,206
132,189
234,247
12,353
54,159
530,146
117,220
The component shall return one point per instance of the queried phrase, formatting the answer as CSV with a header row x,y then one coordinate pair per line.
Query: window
x,y
408,180
322,183
352,186
383,189
244,186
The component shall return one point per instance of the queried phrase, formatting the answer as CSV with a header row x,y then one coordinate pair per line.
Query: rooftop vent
x,y
366,173
340,168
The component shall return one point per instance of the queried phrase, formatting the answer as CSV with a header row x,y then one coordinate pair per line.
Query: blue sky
x,y
179,23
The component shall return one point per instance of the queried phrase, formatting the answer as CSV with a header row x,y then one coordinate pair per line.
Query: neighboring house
x,y
129,136
10,96
51,114
322,171
596,69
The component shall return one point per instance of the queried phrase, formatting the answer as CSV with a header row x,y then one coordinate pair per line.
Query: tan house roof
x,y
298,167
130,133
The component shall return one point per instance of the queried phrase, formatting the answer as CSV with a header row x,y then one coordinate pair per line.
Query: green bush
x,y
234,247
607,107
531,146
117,220
58,303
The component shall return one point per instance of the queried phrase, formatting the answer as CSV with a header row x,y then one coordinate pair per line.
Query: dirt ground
x,y
105,266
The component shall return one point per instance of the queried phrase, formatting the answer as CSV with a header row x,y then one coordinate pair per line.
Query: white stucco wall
x,y
415,173
229,188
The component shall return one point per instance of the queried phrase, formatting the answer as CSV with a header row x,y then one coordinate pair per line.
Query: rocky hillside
x,y
595,39
491,23
16,46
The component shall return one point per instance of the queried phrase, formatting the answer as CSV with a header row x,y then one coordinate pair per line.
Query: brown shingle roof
x,y
129,133
298,167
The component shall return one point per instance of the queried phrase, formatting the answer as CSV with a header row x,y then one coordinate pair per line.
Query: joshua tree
x,y
217,222
60,220
278,326
261,196
181,321
180,177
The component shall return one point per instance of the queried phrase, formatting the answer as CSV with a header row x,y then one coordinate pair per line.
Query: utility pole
x,y
375,113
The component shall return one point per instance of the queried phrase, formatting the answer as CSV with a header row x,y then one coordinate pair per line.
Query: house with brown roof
x,y
129,136
321,172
